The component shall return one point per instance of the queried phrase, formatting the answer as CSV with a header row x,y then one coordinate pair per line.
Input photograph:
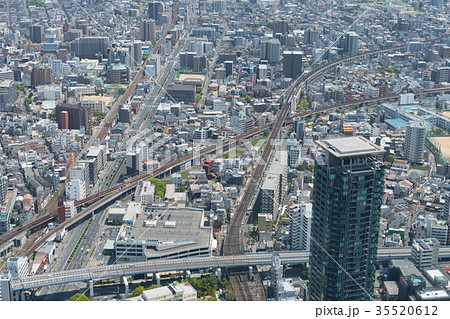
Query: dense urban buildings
x,y
136,134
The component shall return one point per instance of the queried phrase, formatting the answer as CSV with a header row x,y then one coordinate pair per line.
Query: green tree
x,y
389,69
248,98
121,91
389,158
181,188
270,24
212,299
28,101
79,297
160,187
198,97
99,115
200,89
137,292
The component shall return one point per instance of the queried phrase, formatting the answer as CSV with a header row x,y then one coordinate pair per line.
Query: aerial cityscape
x,y
225,150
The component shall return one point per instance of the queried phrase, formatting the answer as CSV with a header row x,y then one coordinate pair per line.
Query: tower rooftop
x,y
349,146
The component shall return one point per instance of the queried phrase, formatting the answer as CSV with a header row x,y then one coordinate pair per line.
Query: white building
x,y
300,217
415,141
18,266
51,92
145,193
69,209
276,275
425,252
76,189
173,292
437,229
406,99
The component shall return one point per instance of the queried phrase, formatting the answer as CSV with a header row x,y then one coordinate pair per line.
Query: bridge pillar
x,y
127,287
22,296
158,279
250,273
187,274
91,288
17,297
219,273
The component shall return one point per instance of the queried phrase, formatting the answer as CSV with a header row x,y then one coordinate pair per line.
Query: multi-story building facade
x,y
300,217
348,189
415,141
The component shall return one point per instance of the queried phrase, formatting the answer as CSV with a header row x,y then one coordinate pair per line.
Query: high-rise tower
x,y
348,189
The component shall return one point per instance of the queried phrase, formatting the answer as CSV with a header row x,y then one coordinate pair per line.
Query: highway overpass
x,y
119,270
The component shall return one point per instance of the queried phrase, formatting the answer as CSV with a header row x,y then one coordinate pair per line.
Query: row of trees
x,y
160,187
139,290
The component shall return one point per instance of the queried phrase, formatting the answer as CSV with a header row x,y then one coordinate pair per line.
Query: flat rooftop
x,y
349,146
184,230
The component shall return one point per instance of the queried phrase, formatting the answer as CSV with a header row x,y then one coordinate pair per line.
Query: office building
x,y
72,34
78,116
8,94
265,222
299,127
406,99
300,216
118,74
280,27
425,252
414,145
69,209
6,293
155,11
269,194
311,36
228,68
37,33
148,30
182,93
90,47
18,266
173,292
440,75
41,75
349,43
125,113
80,172
276,276
292,64
348,188
76,189
270,50
64,120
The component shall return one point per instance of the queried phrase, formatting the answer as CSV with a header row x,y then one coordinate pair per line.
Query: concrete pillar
x,y
127,287
22,296
250,273
17,297
219,273
187,274
158,279
91,288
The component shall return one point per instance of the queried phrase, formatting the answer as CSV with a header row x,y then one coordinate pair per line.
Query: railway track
x,y
44,220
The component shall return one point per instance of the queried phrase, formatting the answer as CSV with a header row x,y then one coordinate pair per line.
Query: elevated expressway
x,y
96,273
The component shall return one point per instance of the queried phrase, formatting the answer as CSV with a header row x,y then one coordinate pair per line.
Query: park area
x,y
444,144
